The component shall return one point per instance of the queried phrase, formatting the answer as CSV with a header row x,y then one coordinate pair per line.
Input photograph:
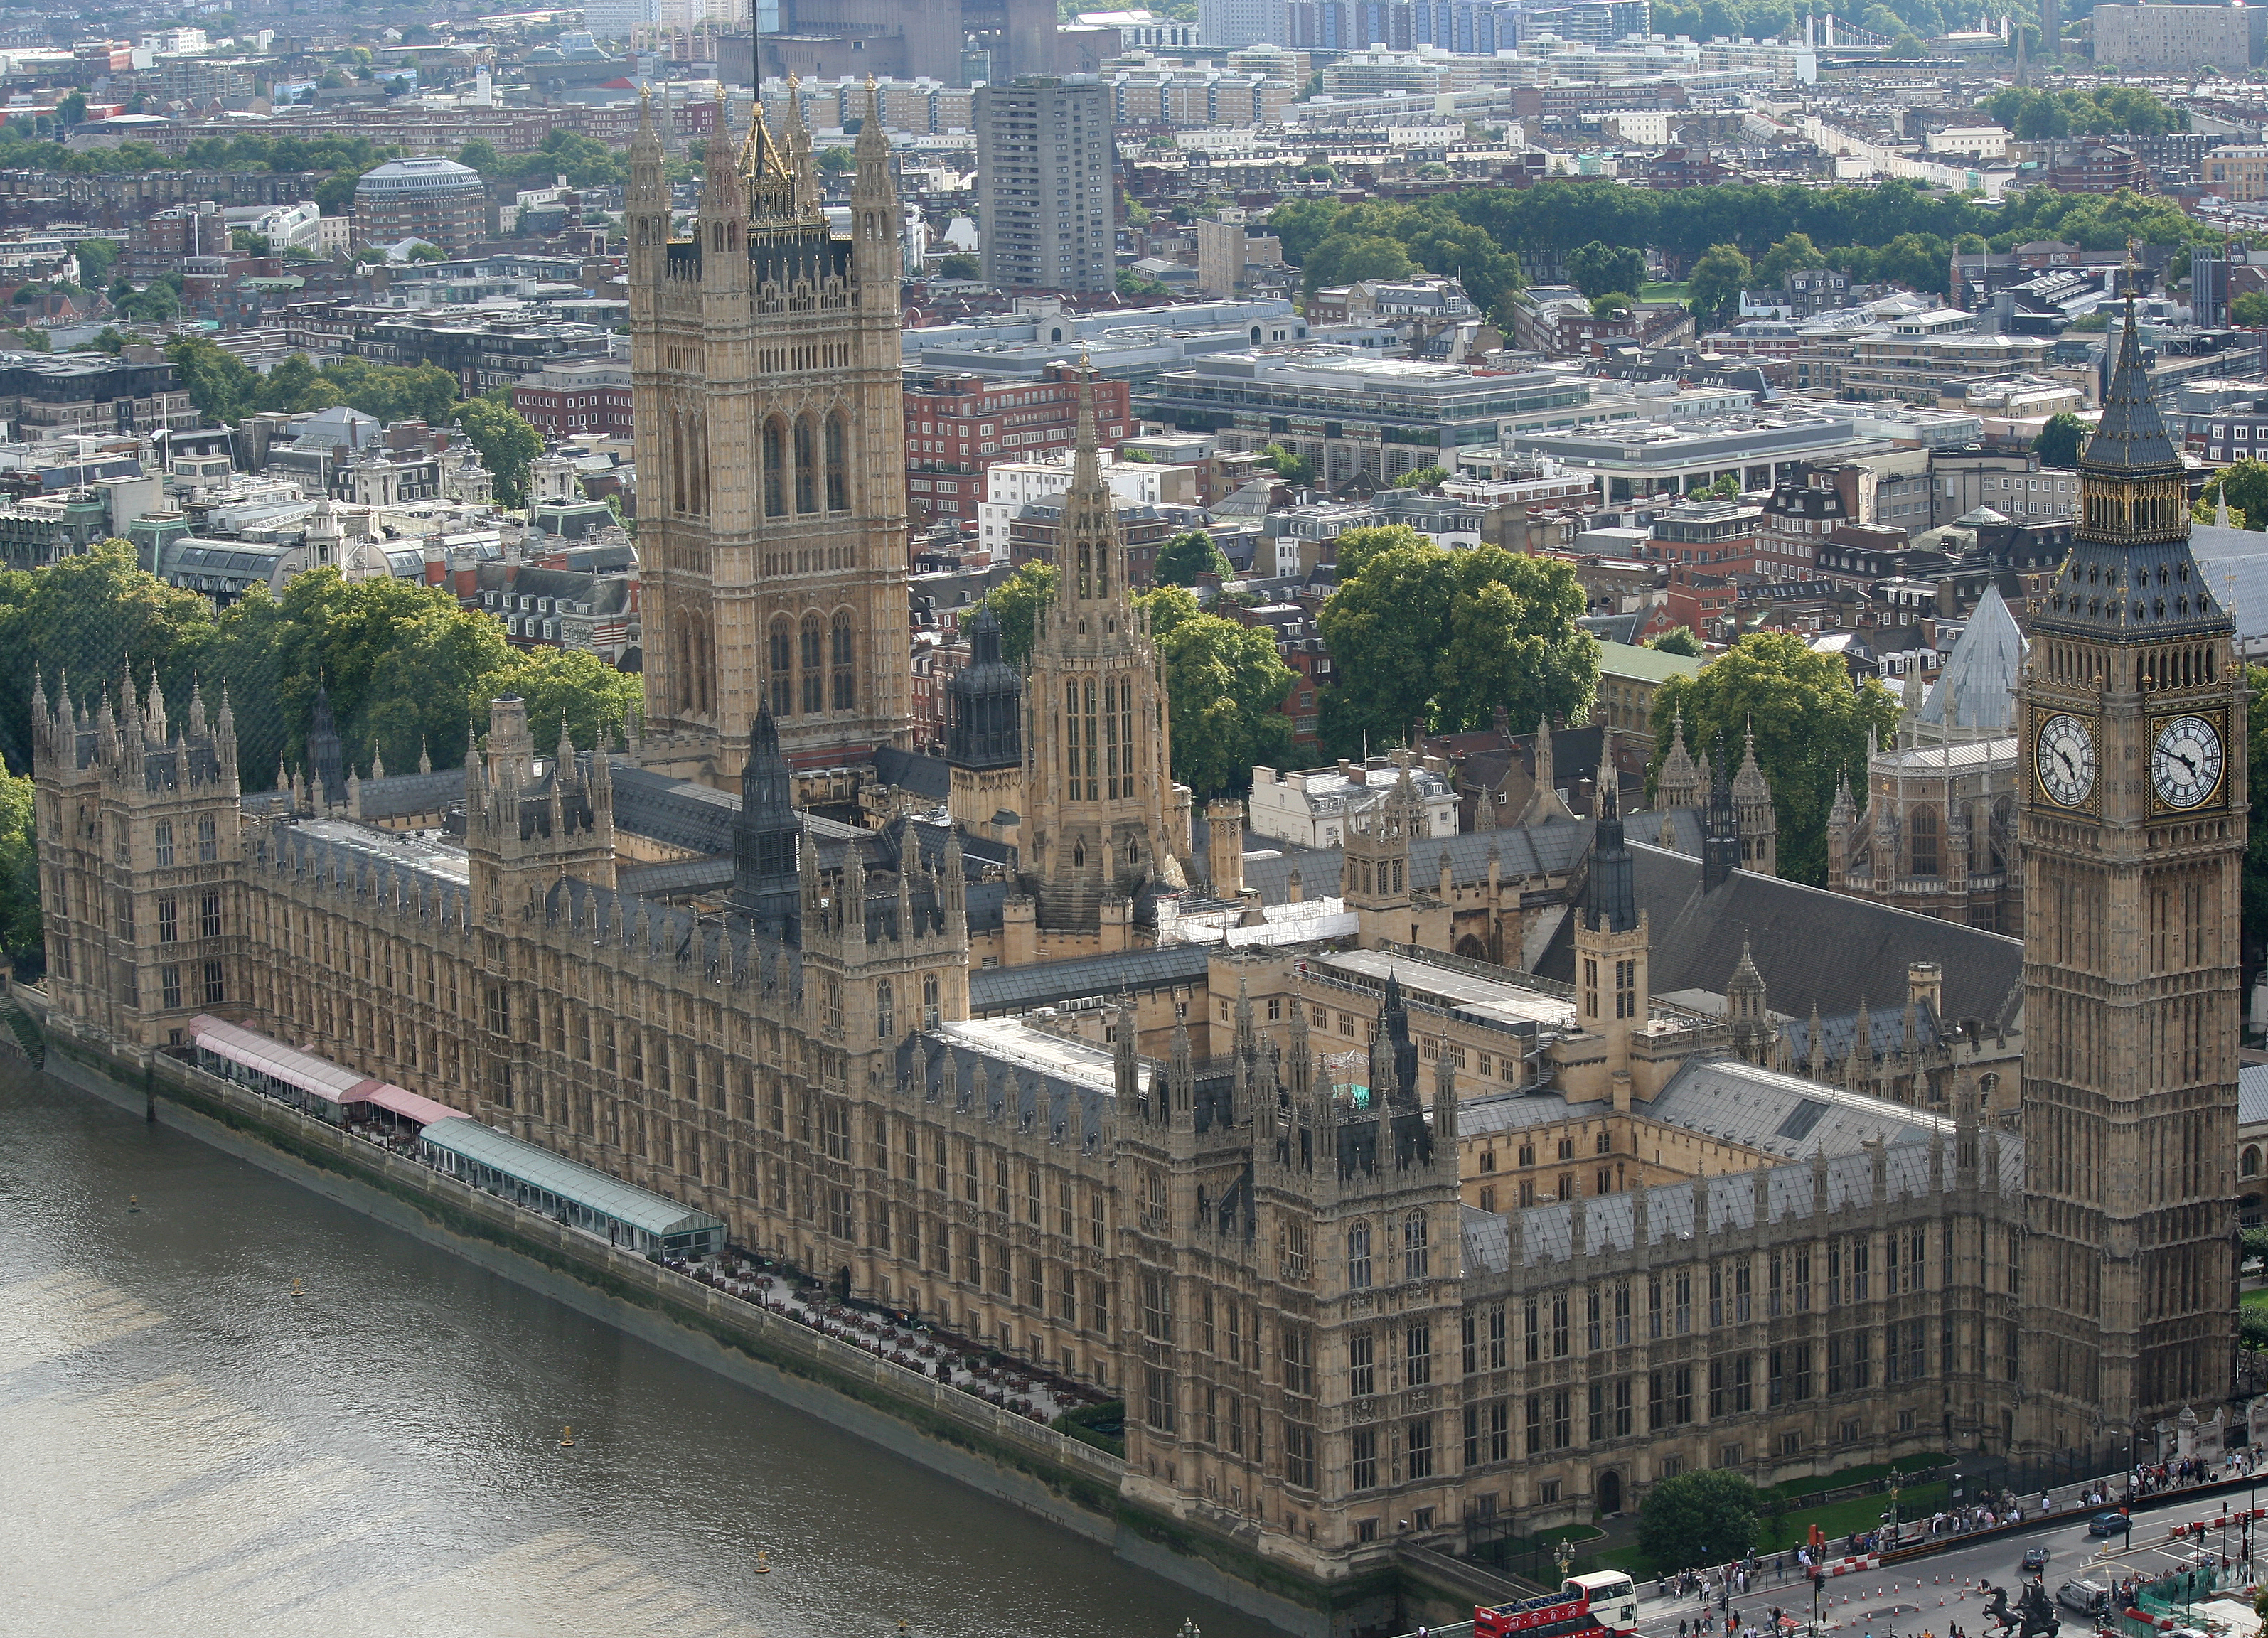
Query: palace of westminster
x,y
1583,1162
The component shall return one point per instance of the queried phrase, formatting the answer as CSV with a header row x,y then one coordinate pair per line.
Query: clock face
x,y
2064,757
2185,762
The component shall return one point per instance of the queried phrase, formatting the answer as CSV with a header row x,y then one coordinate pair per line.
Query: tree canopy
x,y
1599,269
2107,111
406,667
2060,437
1423,635
507,444
1678,640
2249,309
1186,556
1224,684
1016,603
1705,1517
1713,288
1811,726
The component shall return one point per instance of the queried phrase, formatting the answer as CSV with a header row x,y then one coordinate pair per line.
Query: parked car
x,y
2112,1524
2036,1559
2083,1598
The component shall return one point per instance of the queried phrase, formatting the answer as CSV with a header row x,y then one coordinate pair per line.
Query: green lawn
x,y
2257,1299
1836,1519
1662,292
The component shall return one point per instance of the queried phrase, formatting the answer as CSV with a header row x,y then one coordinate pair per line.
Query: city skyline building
x,y
1044,185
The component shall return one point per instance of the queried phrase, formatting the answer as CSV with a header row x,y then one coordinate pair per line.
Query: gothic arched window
x,y
1415,1255
775,468
1358,1259
806,465
882,1020
815,662
783,658
1923,830
2249,1166
846,685
838,462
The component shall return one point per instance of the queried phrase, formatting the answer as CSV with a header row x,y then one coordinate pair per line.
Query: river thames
x,y
187,1449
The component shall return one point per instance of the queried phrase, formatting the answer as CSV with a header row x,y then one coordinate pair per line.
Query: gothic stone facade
x,y
770,435
1267,1252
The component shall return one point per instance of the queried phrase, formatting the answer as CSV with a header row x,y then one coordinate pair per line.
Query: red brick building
x,y
960,425
567,398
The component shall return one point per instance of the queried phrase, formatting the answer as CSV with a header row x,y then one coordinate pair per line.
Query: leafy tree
x,y
1795,254
2244,485
507,444
1224,683
94,616
392,392
1296,470
1423,478
594,698
219,383
2058,444
1598,267
1679,640
405,664
96,258
1705,1517
1134,286
2249,309
1713,289
2203,510
1016,603
835,161
1811,726
1358,546
154,304
73,109
960,266
21,932
1728,487
1422,634
1136,458
1186,556
1612,303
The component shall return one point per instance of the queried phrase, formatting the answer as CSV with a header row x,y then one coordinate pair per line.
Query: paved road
x,y
1904,1598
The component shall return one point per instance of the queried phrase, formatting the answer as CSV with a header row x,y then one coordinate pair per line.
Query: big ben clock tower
x,y
2132,714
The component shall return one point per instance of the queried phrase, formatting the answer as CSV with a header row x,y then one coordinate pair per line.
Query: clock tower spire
x,y
2133,829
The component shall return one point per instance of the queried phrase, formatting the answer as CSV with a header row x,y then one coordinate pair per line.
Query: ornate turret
x,y
1720,831
1678,785
1753,813
986,697
1746,1009
326,754
766,835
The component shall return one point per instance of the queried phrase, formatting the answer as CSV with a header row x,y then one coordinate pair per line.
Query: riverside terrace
x,y
615,1213
1351,412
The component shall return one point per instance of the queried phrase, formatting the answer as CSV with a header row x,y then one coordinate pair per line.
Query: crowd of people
x,y
1039,1396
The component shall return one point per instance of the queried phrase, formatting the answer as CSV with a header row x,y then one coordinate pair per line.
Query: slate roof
x,y
1982,672
698,818
1015,989
1513,1112
2144,587
1733,1100
1043,1082
1606,1225
1812,947
2252,1094
929,776
1886,1030
412,793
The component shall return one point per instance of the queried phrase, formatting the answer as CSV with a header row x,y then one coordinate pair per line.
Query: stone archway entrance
x,y
1610,1493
